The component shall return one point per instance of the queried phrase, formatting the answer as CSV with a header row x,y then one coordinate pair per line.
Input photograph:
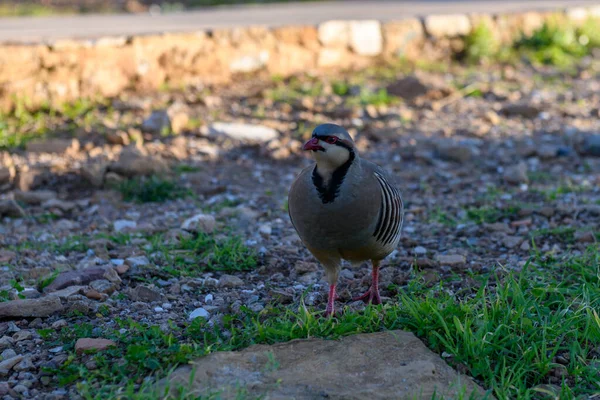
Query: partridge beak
x,y
313,144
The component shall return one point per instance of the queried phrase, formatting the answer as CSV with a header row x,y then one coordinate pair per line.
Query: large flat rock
x,y
384,365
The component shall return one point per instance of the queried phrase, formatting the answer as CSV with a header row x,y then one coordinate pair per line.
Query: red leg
x,y
372,295
329,311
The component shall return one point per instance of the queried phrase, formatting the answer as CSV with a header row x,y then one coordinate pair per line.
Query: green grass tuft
x,y
151,189
480,44
559,45
203,252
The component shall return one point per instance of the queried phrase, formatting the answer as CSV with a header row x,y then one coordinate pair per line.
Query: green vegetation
x,y
66,245
480,44
555,45
151,189
193,255
22,125
294,89
558,44
489,214
514,337
563,234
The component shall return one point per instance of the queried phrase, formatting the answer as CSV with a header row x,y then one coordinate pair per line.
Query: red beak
x,y
312,144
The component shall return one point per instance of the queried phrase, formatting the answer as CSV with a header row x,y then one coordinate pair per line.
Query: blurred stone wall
x,y
68,69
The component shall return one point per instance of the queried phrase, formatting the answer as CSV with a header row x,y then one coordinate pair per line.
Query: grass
x,y
480,45
508,336
294,89
558,44
490,214
23,124
151,189
203,252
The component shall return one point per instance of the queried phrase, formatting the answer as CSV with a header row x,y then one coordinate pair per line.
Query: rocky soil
x,y
493,163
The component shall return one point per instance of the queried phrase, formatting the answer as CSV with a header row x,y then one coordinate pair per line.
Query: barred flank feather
x,y
389,223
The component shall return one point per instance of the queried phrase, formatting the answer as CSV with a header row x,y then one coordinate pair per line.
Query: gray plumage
x,y
344,207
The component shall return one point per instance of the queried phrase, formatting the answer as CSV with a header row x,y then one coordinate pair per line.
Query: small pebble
x,y
420,251
198,312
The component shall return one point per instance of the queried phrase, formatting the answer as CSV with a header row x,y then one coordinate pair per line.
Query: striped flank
x,y
389,224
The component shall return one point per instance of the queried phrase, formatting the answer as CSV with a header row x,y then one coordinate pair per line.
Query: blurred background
x,y
54,7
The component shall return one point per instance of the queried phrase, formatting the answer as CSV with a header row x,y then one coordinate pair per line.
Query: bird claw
x,y
371,296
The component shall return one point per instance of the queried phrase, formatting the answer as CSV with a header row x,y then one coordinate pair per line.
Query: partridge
x,y
345,208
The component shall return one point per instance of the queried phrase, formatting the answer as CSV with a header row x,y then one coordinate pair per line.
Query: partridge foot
x,y
371,296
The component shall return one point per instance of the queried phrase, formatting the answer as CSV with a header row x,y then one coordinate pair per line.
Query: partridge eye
x,y
331,139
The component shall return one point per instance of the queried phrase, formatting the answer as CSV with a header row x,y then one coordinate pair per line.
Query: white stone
x,y
199,312
244,132
366,38
265,230
420,250
122,224
249,63
199,223
578,14
138,261
208,299
447,25
334,33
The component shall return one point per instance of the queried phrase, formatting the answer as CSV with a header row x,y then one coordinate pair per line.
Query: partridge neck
x,y
328,181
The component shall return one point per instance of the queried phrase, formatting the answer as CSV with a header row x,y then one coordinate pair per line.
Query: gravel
x,y
480,177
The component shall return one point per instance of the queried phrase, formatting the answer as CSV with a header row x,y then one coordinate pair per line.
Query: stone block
x,y
334,33
402,37
366,38
451,25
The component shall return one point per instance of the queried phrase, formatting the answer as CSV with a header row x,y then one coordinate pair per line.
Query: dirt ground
x,y
493,163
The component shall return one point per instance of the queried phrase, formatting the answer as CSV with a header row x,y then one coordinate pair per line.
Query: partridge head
x,y
345,208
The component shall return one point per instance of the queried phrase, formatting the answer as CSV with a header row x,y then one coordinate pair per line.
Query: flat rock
x,y
243,132
419,85
137,261
53,146
41,307
133,163
7,365
35,197
230,281
451,150
144,294
121,225
521,110
87,344
76,278
384,365
452,260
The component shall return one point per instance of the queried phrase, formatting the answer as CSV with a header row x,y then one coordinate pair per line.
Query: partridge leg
x,y
330,309
372,295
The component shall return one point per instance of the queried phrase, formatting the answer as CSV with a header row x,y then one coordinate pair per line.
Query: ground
x,y
498,270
